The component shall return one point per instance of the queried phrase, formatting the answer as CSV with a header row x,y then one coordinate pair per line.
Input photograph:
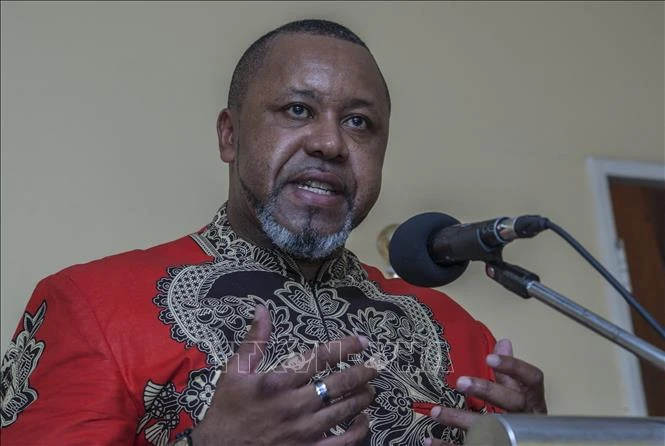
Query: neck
x,y
310,268
247,226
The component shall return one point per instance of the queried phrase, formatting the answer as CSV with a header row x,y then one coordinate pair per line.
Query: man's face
x,y
308,143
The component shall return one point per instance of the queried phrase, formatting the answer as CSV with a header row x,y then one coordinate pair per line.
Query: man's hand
x,y
519,388
281,407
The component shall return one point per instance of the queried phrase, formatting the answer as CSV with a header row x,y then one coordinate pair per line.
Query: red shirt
x,y
124,350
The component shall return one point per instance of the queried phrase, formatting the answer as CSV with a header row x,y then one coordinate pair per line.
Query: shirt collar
x,y
221,236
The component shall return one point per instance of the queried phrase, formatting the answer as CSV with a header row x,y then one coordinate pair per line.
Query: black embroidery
x,y
210,306
19,362
162,412
197,397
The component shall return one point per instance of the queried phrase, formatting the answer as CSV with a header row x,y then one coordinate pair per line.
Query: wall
x,y
108,139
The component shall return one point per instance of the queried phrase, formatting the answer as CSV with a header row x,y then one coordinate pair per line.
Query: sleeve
x,y
60,382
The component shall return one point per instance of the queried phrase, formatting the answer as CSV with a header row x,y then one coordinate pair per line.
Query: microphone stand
x,y
526,284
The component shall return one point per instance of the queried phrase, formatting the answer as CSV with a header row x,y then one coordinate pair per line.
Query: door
x,y
639,215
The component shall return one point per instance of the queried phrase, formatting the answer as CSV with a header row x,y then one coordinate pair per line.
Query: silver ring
x,y
322,391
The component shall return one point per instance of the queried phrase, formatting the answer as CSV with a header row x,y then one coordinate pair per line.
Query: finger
x,y
300,369
447,416
345,409
521,371
501,396
493,361
250,352
339,384
530,379
504,347
354,435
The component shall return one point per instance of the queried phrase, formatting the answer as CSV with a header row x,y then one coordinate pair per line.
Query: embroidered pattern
x,y
163,404
19,362
210,306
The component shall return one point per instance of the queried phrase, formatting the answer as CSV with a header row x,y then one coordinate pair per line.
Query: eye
x,y
298,111
358,122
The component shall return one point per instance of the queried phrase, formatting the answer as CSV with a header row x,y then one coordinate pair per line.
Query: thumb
x,y
250,352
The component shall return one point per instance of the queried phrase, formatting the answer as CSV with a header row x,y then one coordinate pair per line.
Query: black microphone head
x,y
409,251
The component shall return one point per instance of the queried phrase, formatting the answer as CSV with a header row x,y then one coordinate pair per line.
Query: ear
x,y
226,136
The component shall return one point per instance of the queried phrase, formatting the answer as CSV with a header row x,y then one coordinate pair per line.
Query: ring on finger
x,y
322,391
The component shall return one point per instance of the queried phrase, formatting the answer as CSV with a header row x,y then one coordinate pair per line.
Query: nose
x,y
327,141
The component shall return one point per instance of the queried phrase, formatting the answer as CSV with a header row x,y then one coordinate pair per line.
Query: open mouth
x,y
317,187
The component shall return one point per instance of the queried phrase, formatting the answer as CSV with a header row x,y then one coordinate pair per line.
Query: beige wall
x,y
108,141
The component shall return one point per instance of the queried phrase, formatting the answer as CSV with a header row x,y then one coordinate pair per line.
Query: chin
x,y
303,238
312,226
312,219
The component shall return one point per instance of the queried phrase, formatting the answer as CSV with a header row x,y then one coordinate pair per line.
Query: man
x,y
262,328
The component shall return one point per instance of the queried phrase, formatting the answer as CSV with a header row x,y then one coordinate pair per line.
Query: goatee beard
x,y
307,243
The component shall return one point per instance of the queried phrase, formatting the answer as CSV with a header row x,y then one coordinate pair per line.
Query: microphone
x,y
434,249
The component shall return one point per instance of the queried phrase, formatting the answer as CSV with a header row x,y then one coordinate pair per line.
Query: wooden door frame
x,y
599,170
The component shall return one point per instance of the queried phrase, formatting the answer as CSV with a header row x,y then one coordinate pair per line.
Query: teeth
x,y
317,187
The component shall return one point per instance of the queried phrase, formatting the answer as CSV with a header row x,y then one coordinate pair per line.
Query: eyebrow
x,y
301,92
358,103
311,94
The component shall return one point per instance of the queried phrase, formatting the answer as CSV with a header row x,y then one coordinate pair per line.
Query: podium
x,y
541,430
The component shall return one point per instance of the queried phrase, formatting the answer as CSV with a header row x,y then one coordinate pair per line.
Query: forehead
x,y
332,68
